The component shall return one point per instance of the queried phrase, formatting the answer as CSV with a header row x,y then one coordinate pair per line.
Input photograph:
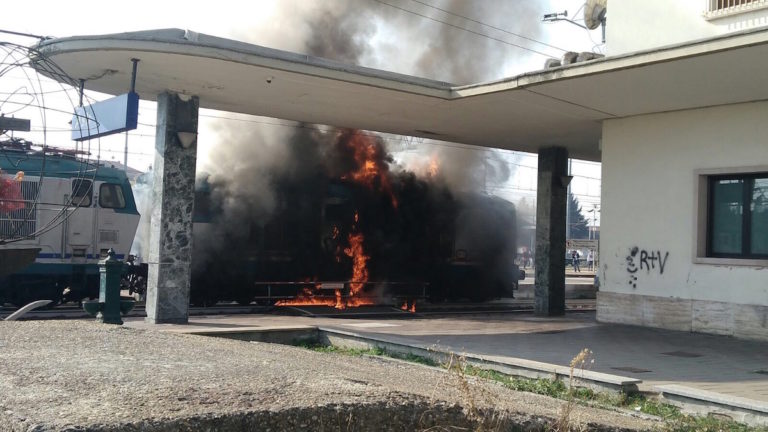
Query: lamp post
x,y
594,212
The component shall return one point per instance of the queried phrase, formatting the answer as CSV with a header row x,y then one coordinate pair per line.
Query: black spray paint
x,y
650,261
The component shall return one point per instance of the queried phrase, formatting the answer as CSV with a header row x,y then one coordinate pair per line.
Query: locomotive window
x,y
111,196
82,193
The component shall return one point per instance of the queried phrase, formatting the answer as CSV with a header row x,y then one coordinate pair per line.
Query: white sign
x,y
580,244
117,114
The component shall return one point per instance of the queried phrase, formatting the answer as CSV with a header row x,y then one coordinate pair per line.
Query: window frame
x,y
89,193
703,181
116,186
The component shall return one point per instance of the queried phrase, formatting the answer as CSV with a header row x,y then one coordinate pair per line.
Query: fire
x,y
371,168
355,250
359,261
434,167
411,308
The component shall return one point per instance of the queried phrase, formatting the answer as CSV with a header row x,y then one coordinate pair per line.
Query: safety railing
x,y
721,8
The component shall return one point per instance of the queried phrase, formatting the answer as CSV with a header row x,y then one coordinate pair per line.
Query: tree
x,y
577,222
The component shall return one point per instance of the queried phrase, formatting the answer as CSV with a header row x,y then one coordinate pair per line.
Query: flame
x,y
434,167
371,159
411,308
355,250
359,263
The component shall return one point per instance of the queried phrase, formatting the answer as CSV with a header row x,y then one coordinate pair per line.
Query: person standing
x,y
575,260
591,260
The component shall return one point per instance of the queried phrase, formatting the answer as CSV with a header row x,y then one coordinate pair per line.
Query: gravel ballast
x,y
78,375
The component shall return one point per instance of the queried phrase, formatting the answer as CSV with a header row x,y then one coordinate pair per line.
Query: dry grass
x,y
565,423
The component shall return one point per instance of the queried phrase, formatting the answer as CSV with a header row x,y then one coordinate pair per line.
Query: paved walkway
x,y
715,363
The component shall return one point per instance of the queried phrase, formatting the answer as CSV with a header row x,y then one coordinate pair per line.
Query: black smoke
x,y
416,230
273,196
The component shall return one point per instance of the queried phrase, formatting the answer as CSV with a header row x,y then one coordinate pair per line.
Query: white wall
x,y
641,25
649,200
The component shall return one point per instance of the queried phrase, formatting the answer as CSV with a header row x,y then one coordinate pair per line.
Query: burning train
x,y
346,230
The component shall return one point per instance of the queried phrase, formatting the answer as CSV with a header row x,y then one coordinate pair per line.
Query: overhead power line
x,y
488,25
464,29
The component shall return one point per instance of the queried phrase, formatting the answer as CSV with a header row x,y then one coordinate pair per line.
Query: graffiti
x,y
650,261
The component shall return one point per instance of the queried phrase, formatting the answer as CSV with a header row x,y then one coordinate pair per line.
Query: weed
x,y
675,421
582,359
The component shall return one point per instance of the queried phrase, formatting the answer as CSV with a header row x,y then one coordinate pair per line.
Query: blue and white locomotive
x,y
73,210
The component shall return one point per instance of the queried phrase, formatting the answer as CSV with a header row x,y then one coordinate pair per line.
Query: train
x,y
435,247
69,210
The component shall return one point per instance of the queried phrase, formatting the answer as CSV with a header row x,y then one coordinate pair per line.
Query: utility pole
x,y
568,205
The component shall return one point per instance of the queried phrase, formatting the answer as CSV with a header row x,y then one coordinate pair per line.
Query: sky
x,y
386,25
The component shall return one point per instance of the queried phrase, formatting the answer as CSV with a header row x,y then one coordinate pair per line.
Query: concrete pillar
x,y
170,238
551,205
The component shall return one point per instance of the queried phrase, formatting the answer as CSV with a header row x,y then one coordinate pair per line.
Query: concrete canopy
x,y
556,107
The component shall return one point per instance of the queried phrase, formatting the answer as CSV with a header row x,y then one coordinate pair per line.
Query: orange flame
x,y
434,167
371,167
359,263
309,296
411,308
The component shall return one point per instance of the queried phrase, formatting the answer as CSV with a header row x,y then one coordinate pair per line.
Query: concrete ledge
x,y
286,335
508,365
703,402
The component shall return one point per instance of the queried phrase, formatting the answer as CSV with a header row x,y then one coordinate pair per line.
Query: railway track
x,y
73,311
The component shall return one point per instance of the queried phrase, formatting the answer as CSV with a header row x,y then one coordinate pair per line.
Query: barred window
x,y
722,8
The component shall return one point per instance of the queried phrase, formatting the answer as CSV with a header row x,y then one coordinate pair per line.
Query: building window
x,y
720,8
737,216
82,192
111,196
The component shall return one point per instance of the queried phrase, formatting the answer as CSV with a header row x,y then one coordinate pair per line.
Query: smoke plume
x,y
281,185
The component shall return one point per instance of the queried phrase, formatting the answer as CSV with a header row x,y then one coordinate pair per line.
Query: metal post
x,y
109,289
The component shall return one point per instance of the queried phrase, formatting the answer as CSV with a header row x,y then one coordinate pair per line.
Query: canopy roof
x,y
562,106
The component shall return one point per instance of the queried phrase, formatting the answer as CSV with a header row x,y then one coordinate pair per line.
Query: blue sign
x,y
111,116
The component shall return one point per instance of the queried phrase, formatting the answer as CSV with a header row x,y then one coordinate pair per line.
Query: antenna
x,y
594,14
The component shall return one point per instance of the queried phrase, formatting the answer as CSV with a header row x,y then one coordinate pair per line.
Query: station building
x,y
684,233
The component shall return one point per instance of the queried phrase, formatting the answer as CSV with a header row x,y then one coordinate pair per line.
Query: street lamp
x,y
594,212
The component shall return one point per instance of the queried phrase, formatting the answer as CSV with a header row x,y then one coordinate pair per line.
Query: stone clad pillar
x,y
173,190
551,205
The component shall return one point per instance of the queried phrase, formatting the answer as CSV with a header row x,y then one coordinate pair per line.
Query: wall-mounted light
x,y
565,181
186,139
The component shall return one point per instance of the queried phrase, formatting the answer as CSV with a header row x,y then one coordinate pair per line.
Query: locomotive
x,y
440,248
70,209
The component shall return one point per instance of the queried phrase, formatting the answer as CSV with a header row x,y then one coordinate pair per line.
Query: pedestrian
x,y
575,260
591,260
526,257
